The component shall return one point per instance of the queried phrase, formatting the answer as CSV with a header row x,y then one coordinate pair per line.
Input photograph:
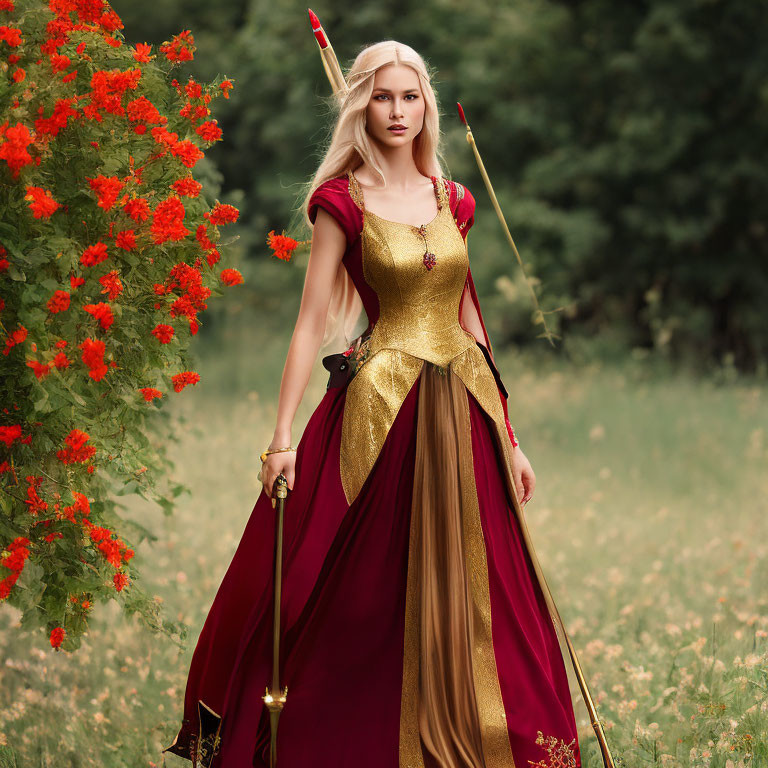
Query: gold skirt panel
x,y
375,394
451,696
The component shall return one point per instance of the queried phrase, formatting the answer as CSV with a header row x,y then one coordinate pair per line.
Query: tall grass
x,y
649,518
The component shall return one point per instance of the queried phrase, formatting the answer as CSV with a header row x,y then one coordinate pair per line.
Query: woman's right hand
x,y
273,465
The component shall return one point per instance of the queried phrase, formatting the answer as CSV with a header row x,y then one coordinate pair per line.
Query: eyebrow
x,y
386,90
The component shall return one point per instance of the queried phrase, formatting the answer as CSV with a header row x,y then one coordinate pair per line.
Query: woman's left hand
x,y
525,479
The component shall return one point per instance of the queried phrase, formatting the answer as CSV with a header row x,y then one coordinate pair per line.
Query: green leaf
x,y
16,274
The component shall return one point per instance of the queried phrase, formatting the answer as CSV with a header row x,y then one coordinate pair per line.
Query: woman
x,y
414,632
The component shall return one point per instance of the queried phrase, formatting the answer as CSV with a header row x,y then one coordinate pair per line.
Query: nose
x,y
397,110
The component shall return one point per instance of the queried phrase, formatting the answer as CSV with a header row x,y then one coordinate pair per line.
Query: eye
x,y
407,96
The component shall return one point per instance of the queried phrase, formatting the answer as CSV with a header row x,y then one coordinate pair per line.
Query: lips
x,y
397,127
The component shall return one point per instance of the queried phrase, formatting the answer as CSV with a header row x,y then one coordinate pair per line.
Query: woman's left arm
x,y
525,479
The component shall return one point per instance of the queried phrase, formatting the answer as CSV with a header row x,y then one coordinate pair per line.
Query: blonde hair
x,y
350,146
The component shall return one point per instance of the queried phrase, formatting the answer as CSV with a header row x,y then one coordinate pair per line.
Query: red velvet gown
x,y
414,629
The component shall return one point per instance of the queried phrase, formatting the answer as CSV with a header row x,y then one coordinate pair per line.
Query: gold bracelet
x,y
274,450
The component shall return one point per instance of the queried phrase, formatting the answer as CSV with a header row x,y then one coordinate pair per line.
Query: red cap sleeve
x,y
465,212
333,196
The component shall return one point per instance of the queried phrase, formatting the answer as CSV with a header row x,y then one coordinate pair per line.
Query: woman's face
x,y
396,100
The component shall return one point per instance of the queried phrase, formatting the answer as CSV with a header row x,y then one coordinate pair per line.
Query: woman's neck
x,y
398,167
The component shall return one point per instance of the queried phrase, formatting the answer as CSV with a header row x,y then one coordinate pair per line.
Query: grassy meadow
x,y
649,517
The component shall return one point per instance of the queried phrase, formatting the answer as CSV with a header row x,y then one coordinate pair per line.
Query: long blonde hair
x,y
350,146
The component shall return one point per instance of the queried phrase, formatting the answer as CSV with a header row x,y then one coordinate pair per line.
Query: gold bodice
x,y
418,305
418,320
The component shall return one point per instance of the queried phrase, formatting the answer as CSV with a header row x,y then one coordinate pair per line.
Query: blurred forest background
x,y
625,142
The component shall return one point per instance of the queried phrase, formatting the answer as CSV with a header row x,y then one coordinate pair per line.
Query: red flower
x,y
142,110
75,282
138,209
102,312
41,203
61,361
126,239
62,112
57,636
9,434
41,369
193,89
34,503
208,131
108,88
226,86
201,235
181,48
14,149
93,357
163,333
282,245
81,505
112,284
94,254
10,35
168,221
107,189
15,560
59,62
221,213
77,452
187,152
180,380
59,302
18,553
187,187
111,551
150,393
142,52
231,277
15,338
120,580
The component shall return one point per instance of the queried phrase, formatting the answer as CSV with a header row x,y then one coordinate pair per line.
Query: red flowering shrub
x,y
108,252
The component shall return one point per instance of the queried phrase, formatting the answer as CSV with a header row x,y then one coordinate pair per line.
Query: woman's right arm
x,y
328,246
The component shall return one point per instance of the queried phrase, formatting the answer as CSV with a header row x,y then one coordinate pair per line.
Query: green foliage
x,y
624,140
96,149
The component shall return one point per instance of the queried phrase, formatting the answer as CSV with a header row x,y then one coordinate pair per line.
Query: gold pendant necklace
x,y
429,259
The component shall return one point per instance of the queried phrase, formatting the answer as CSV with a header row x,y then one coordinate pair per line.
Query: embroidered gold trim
x,y
354,190
559,754
490,706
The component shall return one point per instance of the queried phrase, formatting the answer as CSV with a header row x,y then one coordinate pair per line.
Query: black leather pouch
x,y
340,369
